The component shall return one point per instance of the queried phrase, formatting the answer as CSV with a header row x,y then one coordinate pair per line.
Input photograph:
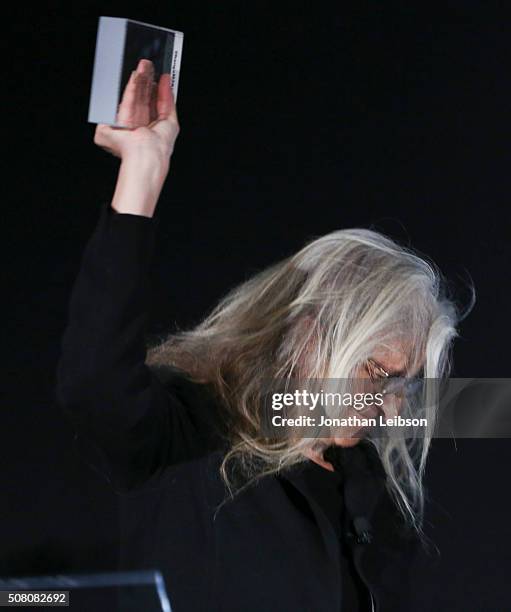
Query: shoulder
x,y
202,405
181,384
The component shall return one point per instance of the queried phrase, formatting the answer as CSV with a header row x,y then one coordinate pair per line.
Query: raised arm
x,y
132,424
144,151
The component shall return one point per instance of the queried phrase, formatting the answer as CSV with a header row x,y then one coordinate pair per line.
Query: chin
x,y
346,442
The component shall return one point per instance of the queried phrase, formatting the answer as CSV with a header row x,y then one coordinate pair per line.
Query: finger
x,y
145,70
165,105
147,90
153,114
143,109
317,457
130,90
108,134
128,102
167,122
100,134
103,138
145,65
137,113
140,84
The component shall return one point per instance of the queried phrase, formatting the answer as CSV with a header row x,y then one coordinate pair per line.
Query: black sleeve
x,y
128,423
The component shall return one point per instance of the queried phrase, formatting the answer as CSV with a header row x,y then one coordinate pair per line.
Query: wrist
x,y
139,185
145,166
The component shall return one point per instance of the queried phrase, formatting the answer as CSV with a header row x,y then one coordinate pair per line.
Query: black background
x,y
296,119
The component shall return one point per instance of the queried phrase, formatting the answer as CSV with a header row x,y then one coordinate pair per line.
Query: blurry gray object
x,y
132,591
120,44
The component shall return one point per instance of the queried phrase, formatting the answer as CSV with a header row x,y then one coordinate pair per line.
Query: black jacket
x,y
157,437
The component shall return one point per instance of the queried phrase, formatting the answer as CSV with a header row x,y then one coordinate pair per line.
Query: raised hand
x,y
148,114
138,104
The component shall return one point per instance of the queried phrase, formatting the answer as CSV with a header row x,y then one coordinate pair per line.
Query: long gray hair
x,y
320,314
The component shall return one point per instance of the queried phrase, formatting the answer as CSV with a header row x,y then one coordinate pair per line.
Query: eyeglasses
x,y
391,384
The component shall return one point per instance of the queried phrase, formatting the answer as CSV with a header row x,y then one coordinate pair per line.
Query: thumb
x,y
167,121
165,103
109,138
167,128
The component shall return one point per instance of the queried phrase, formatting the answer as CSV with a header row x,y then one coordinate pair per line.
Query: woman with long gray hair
x,y
236,518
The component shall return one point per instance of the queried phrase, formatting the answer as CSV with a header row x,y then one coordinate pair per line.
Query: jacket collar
x,y
362,476
363,482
